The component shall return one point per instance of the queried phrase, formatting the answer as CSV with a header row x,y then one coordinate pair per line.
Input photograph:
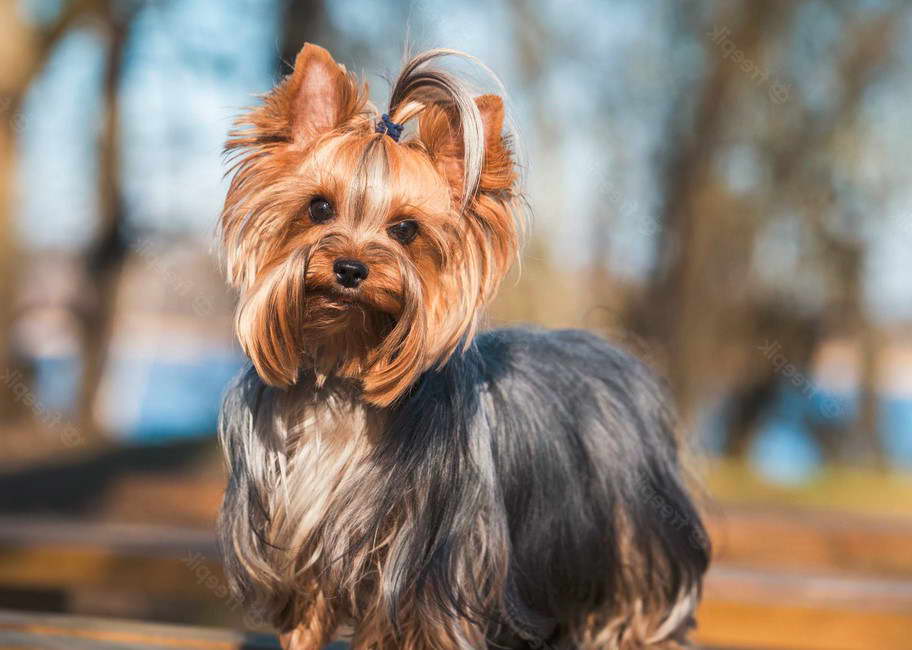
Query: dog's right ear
x,y
319,95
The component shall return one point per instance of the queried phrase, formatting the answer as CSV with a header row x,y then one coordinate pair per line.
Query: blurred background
x,y
723,187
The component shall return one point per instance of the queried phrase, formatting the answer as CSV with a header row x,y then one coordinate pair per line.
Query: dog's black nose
x,y
349,273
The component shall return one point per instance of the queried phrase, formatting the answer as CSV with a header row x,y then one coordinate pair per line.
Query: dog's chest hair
x,y
327,450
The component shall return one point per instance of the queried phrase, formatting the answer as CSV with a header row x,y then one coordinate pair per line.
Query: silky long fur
x,y
527,491
394,471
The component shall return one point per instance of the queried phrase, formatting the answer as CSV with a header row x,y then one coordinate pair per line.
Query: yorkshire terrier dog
x,y
396,474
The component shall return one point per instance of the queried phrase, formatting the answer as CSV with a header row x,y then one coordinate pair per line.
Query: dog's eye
x,y
321,210
404,231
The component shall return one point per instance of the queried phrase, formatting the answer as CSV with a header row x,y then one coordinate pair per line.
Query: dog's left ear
x,y
441,134
320,94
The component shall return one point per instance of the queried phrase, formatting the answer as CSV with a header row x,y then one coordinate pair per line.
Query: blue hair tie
x,y
390,128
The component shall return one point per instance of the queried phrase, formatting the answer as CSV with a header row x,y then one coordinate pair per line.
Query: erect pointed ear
x,y
492,114
439,130
322,94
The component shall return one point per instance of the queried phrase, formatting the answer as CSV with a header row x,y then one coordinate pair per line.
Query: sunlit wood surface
x,y
24,630
781,579
29,630
809,580
812,541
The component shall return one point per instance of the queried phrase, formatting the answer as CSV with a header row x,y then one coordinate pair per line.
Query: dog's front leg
x,y
315,627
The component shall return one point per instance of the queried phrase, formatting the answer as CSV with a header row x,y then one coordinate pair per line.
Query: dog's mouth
x,y
341,297
344,300
324,302
344,324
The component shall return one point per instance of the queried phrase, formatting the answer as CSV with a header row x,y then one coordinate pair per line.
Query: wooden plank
x,y
797,539
19,629
806,581
72,568
795,610
787,627
68,556
140,539
809,540
800,588
31,630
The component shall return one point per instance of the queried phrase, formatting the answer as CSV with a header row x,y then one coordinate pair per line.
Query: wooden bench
x,y
29,630
780,579
798,609
812,541
809,580
25,630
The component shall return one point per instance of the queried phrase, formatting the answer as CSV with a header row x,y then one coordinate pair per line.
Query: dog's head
x,y
357,255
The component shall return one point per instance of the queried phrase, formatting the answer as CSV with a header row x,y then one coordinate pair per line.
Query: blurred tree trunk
x,y
303,21
842,258
28,49
105,259
868,429
795,337
532,41
858,442
701,298
16,43
24,49
699,266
